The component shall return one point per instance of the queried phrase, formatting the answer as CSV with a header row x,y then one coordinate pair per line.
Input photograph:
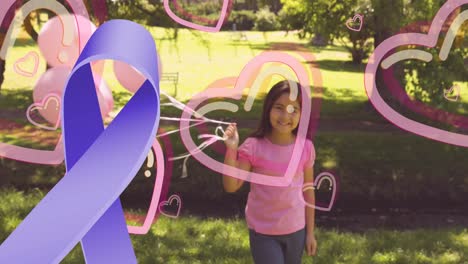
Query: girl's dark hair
x,y
275,92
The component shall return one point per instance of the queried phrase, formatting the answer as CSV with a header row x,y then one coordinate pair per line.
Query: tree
x,y
10,14
146,12
274,5
325,20
28,24
386,25
426,81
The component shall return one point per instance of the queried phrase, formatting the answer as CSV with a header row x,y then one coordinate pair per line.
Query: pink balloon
x,y
98,70
53,82
107,98
106,103
63,37
129,77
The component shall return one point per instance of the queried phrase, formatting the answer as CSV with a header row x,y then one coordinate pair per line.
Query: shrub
x,y
290,19
244,20
265,20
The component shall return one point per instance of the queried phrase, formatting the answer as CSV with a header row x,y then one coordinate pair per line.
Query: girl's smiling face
x,y
285,115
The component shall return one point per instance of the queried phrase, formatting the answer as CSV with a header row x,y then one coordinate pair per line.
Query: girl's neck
x,y
281,139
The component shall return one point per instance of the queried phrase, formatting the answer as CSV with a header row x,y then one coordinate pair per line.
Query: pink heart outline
x,y
45,157
168,202
236,93
227,82
201,19
428,40
48,157
317,182
143,229
43,105
19,70
351,20
435,114
186,23
412,104
77,8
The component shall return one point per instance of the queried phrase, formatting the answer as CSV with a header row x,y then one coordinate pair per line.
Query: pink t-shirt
x,y
275,210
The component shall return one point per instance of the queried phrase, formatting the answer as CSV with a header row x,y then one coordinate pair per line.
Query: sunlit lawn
x,y
202,58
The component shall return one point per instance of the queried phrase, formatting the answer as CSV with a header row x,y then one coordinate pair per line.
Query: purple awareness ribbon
x,y
84,205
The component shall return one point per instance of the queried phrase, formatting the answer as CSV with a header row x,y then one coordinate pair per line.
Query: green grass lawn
x,y
190,239
394,164
202,58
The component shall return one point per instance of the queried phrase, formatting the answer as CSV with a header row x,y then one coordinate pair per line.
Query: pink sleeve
x,y
310,154
246,150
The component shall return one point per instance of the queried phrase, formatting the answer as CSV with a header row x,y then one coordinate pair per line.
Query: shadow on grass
x,y
251,46
25,42
318,49
339,66
288,46
19,99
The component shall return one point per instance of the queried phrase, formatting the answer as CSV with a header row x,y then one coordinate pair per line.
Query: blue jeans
x,y
277,249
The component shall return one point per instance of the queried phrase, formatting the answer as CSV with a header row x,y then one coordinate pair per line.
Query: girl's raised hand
x,y
231,136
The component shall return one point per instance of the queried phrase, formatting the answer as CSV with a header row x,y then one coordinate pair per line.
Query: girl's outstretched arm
x,y
232,184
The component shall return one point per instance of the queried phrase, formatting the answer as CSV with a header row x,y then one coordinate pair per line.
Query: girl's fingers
x,y
231,131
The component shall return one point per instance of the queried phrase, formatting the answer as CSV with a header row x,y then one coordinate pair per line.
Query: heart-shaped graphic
x,y
77,6
48,157
50,103
158,191
316,186
398,91
236,93
21,64
15,19
198,18
222,18
169,208
313,70
440,115
447,93
425,40
350,23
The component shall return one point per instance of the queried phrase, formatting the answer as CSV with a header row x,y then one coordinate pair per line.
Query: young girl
x,y
280,225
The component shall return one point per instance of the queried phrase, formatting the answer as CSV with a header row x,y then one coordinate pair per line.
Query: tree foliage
x,y
265,20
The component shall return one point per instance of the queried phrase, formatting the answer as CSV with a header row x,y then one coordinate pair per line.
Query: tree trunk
x,y
276,6
320,40
2,71
252,5
29,28
389,19
357,56
4,25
